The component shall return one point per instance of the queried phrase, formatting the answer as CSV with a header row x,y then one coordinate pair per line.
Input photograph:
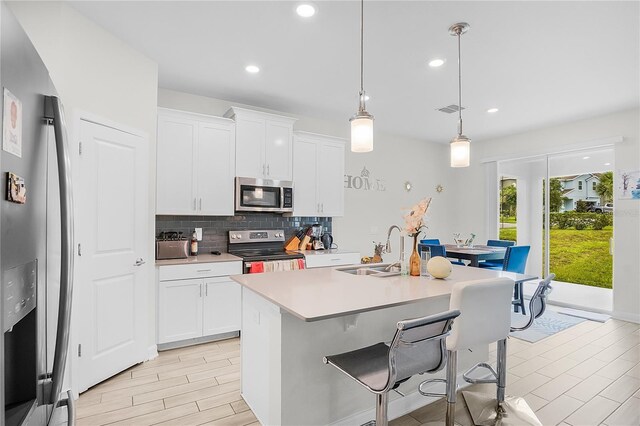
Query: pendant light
x,y
362,121
460,145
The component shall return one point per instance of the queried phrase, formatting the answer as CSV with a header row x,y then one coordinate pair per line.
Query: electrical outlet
x,y
199,234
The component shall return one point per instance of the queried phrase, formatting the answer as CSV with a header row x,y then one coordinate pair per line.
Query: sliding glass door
x,y
562,206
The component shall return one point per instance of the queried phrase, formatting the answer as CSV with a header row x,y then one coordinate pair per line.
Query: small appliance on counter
x,y
327,241
171,245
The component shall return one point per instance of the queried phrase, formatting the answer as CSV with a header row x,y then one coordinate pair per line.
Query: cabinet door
x,y
331,179
175,185
305,191
278,150
250,137
179,310
221,306
215,160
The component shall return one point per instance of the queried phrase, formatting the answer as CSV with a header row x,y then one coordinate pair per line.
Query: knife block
x,y
292,243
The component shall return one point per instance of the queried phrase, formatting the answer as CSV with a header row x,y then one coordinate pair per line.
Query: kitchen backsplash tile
x,y
215,228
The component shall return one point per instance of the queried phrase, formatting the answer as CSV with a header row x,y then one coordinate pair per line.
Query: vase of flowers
x,y
414,221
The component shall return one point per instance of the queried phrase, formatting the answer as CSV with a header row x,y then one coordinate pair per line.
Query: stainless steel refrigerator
x,y
36,237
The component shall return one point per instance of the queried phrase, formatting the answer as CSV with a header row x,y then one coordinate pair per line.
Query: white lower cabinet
x,y
180,313
198,302
221,312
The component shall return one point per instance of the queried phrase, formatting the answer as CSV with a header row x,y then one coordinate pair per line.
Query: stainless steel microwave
x,y
263,195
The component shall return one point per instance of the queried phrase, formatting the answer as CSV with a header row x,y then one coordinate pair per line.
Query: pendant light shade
x,y
362,121
460,145
460,151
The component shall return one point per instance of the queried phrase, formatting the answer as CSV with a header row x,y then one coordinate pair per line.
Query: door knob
x,y
139,261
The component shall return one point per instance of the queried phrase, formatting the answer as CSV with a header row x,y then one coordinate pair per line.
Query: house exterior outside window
x,y
574,189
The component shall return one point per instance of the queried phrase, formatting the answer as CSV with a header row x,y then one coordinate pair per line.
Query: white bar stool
x,y
418,346
485,317
513,410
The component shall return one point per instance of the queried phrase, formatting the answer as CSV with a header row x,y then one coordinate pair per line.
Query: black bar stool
x,y
418,346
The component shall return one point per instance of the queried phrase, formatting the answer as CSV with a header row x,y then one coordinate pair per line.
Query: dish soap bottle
x,y
194,244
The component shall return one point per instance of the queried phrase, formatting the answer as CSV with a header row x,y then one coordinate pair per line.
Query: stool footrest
x,y
434,394
468,379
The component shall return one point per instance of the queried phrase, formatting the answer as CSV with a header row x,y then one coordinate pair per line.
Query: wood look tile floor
x,y
586,375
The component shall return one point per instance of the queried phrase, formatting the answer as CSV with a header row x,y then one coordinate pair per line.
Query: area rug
x,y
547,325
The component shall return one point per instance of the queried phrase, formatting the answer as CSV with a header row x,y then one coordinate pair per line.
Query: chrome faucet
x,y
387,248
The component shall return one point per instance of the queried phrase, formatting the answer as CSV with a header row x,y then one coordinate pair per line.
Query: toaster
x,y
172,249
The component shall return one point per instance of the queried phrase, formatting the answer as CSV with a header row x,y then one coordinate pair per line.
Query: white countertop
x,y
203,258
317,294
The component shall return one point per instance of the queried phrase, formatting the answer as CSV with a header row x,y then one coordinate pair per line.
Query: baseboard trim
x,y
197,341
152,352
403,405
626,316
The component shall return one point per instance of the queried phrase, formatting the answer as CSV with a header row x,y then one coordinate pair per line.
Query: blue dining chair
x,y
515,260
431,241
497,263
437,250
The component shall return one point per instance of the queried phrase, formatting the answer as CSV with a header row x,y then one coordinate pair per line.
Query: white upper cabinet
x,y
176,177
318,175
195,164
264,144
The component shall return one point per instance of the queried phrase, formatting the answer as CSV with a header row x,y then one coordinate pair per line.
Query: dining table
x,y
475,253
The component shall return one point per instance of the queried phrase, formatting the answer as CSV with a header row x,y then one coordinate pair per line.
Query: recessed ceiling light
x,y
492,110
435,63
306,10
607,164
585,158
252,69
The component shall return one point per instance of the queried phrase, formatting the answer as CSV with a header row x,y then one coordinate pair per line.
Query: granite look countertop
x,y
203,258
323,293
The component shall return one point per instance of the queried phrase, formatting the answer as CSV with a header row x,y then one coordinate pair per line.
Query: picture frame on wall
x,y
629,185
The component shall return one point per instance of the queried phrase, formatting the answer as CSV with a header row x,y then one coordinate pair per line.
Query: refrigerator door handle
x,y
55,113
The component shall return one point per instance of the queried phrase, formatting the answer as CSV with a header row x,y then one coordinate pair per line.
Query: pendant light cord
x,y
362,51
459,88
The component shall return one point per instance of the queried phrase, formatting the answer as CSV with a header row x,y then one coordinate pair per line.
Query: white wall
x,y
584,133
395,160
97,73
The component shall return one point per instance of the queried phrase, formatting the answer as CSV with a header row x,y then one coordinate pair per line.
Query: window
x,y
580,185
594,185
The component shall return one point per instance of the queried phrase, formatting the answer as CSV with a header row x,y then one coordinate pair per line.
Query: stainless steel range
x,y
263,251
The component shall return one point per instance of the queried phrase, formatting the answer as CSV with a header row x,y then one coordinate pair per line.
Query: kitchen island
x,y
290,320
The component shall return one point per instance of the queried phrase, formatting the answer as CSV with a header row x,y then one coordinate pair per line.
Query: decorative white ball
x,y
439,267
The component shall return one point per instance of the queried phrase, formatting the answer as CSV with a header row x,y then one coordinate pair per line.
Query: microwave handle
x,y
281,198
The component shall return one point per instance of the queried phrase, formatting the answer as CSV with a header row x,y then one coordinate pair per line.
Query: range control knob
x,y
233,236
239,236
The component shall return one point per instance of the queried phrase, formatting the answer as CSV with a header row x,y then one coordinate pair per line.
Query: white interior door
x,y
114,231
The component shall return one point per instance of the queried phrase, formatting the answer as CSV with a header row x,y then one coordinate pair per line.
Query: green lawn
x,y
580,257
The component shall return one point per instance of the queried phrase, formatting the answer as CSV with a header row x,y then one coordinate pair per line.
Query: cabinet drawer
x,y
199,270
332,259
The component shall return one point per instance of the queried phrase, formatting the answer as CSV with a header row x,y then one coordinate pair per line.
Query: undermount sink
x,y
378,270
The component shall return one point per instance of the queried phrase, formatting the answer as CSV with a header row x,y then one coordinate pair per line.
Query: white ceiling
x,y
540,63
